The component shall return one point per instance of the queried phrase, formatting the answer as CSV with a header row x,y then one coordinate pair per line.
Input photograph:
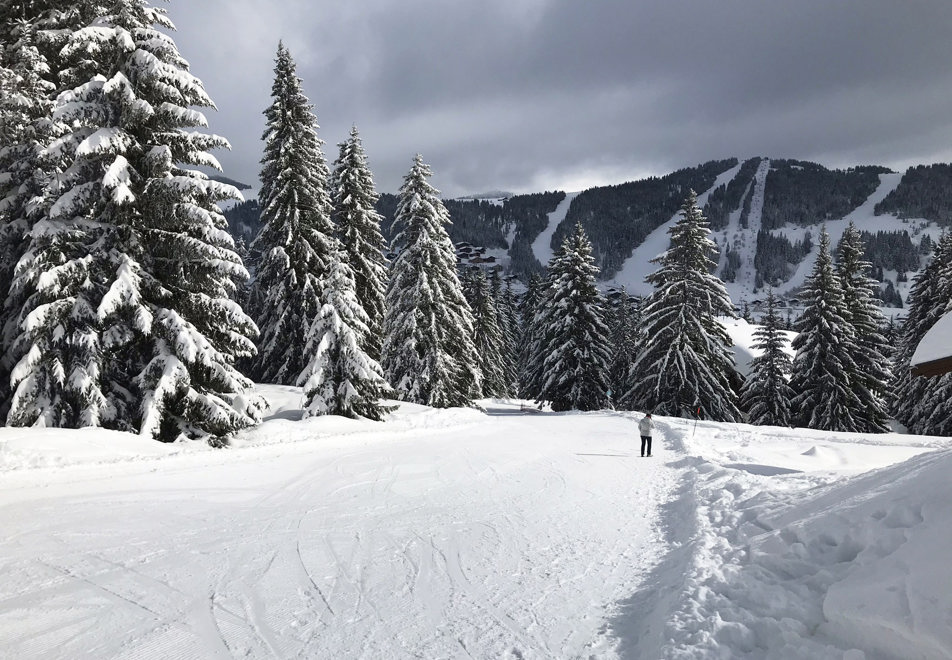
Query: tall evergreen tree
x,y
823,369
686,361
340,377
26,106
530,338
576,348
766,394
869,347
358,229
922,404
506,313
625,341
129,319
297,239
428,353
488,337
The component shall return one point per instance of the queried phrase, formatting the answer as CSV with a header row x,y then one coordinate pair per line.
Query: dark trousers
x,y
645,442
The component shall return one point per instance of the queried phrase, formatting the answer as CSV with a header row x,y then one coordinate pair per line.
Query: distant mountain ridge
x,y
765,215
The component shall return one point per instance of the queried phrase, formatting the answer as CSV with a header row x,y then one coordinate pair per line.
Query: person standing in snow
x,y
644,427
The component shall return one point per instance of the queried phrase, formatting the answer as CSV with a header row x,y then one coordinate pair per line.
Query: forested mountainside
x,y
764,214
801,193
924,192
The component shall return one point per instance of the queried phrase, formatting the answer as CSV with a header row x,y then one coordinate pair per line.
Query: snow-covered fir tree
x,y
625,324
488,337
686,360
923,404
428,353
297,238
507,314
530,356
869,346
340,377
358,229
26,106
766,394
576,339
468,283
129,320
823,369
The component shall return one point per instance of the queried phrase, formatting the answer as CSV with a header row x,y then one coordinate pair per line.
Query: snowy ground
x,y
459,534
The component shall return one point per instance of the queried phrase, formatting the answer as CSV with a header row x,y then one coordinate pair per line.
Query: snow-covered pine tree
x,y
530,338
297,238
823,368
505,303
625,340
686,359
488,337
340,377
766,394
428,354
358,229
576,348
920,403
468,283
26,106
132,322
869,347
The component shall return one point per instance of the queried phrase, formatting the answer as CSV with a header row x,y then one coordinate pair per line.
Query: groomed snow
x,y
457,533
438,534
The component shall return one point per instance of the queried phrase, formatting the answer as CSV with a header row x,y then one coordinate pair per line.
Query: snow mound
x,y
855,569
26,448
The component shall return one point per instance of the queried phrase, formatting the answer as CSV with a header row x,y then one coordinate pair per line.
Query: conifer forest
x,y
141,293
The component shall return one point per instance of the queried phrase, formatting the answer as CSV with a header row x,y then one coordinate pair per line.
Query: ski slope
x,y
462,534
542,245
632,273
744,240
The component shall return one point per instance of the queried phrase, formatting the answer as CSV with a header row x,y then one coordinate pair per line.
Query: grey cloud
x,y
511,94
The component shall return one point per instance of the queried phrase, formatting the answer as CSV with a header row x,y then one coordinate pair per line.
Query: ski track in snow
x,y
542,245
454,534
477,540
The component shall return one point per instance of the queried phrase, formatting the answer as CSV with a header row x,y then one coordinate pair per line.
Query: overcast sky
x,y
530,95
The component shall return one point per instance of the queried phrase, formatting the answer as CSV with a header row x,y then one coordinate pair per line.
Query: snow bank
x,y
26,448
22,448
798,563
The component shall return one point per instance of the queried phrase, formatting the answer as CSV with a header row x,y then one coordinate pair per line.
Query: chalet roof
x,y
933,356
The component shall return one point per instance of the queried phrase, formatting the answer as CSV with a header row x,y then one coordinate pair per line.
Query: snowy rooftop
x,y
933,356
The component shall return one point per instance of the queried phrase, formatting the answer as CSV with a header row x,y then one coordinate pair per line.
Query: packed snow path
x,y
439,534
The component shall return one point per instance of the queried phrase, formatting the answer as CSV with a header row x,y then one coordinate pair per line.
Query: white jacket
x,y
645,426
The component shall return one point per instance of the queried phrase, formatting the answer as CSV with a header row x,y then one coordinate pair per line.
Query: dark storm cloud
x,y
533,94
